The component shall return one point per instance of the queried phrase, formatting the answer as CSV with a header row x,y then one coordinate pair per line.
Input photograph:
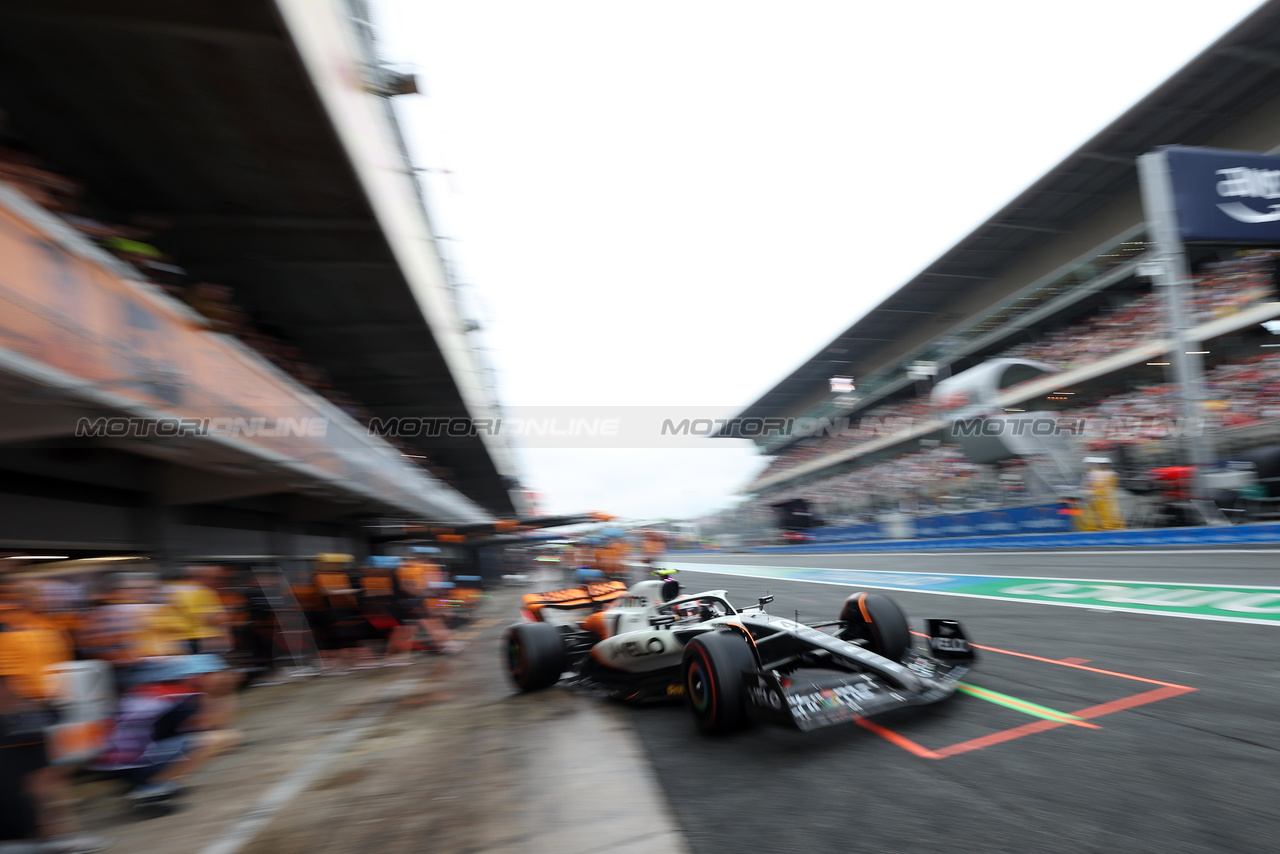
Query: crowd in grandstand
x,y
177,653
913,481
880,421
1239,393
1222,288
68,199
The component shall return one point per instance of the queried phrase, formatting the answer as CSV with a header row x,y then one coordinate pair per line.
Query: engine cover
x,y
639,652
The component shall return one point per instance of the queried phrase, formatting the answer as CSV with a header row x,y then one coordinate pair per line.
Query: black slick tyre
x,y
877,620
534,655
712,668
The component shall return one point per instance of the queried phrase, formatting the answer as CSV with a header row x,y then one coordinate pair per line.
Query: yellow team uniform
x,y
196,608
1102,502
160,631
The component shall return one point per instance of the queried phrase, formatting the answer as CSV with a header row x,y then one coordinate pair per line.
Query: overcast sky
x,y
676,203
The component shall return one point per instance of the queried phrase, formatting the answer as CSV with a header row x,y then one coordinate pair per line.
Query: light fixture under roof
x,y
842,385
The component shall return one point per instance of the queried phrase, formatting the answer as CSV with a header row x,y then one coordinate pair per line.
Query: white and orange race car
x,y
729,665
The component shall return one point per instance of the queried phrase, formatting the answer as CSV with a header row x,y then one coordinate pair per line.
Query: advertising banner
x,y
64,310
1036,519
1225,196
847,533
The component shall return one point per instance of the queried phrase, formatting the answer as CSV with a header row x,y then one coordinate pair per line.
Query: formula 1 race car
x,y
732,664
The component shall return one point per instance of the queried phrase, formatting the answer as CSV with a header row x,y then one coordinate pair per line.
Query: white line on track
x,y
295,782
977,576
718,569
997,552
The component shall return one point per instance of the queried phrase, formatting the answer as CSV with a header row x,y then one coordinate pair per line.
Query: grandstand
x,y
217,276
1055,277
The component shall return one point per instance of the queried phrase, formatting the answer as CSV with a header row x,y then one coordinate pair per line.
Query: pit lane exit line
x,y
1165,691
1232,604
1024,706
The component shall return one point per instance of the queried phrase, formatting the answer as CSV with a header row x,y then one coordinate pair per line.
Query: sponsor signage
x,y
1225,196
76,313
1193,600
847,533
1037,519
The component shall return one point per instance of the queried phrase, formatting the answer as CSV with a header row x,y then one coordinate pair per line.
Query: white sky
x,y
676,203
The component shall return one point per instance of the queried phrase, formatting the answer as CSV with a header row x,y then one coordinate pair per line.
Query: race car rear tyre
x,y
712,669
535,655
876,619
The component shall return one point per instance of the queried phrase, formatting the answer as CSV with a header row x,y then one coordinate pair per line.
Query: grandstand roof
x,y
1235,75
205,120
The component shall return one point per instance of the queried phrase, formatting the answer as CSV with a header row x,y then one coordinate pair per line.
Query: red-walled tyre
x,y
713,689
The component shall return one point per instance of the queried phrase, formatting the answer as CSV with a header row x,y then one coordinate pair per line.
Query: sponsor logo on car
x,y
764,694
950,644
639,649
848,696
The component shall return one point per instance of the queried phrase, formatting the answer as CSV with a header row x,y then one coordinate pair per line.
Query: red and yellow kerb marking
x,y
1049,718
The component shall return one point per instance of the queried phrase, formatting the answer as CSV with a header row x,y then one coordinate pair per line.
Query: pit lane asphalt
x,y
1192,772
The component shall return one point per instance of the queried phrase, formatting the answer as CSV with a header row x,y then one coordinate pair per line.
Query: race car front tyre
x,y
535,655
877,620
712,667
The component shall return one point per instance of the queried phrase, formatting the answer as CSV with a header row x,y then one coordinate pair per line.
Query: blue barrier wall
x,y
1038,519
1263,533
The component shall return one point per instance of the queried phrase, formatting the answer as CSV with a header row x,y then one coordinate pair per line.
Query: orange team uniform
x,y
335,587
377,583
344,625
30,646
434,574
412,577
378,596
609,560
307,597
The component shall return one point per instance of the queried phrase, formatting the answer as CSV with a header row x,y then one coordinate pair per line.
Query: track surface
x,y
1185,771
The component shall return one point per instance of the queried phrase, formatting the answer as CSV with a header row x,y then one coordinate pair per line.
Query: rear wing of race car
x,y
826,698
588,597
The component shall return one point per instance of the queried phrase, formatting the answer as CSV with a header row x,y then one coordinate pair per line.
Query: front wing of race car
x,y
811,700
